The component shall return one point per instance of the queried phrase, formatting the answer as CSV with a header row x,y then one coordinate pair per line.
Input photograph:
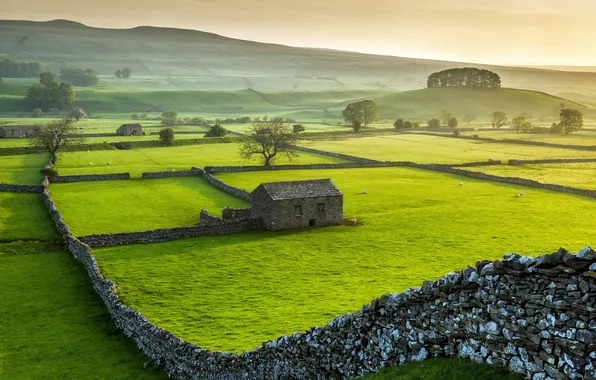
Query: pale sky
x,y
520,32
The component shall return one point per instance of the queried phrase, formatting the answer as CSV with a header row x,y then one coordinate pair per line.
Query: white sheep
x,y
460,184
90,163
108,163
364,192
173,170
519,195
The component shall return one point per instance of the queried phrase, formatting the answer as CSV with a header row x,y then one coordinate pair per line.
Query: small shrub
x,y
49,172
540,130
123,145
166,136
416,125
434,123
474,136
215,131
298,128
399,124
456,133
408,124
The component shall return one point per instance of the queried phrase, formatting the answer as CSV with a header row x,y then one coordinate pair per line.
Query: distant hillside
x,y
228,64
429,103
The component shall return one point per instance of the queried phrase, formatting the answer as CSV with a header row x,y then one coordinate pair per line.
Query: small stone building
x,y
17,131
296,204
130,130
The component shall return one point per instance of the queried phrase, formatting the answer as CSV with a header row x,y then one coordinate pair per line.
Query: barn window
x,y
298,210
321,207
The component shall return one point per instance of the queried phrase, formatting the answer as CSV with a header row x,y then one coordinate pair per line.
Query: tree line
x,y
12,69
464,77
49,94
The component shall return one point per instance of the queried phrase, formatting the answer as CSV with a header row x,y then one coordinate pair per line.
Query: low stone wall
x,y
169,234
330,154
473,164
230,213
551,161
227,188
90,177
12,188
347,165
509,180
194,172
511,141
211,220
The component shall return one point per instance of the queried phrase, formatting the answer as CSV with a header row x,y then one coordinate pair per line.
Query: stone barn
x,y
130,130
297,204
17,131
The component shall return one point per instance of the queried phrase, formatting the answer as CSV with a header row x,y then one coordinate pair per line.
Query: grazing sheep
x,y
108,163
460,184
173,170
364,192
90,163
519,195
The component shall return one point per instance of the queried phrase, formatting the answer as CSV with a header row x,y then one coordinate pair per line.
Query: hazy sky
x,y
528,32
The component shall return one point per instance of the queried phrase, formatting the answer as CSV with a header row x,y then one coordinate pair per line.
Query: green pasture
x,y
22,169
137,161
443,369
53,324
138,205
243,289
437,150
581,175
584,137
23,216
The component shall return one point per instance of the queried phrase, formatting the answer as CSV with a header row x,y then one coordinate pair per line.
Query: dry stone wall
x,y
330,154
12,188
536,316
225,187
211,220
90,177
171,173
552,161
169,234
230,213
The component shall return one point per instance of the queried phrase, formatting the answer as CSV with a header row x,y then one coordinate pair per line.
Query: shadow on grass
x,y
24,217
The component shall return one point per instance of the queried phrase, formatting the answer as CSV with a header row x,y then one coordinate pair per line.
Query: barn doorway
x,y
312,222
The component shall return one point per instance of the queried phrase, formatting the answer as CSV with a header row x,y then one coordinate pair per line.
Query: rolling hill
x,y
191,59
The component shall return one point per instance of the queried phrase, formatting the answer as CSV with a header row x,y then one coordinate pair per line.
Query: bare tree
x,y
56,135
498,119
269,139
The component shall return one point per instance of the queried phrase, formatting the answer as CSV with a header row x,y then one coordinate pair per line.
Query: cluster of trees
x,y
400,124
464,77
166,136
361,114
12,69
570,120
125,73
49,94
80,77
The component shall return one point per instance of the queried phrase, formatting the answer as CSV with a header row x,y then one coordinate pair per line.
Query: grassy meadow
x,y
22,169
586,137
24,217
53,324
580,175
243,289
139,205
437,150
137,161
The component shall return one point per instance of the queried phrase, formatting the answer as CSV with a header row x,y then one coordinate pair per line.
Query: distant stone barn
x,y
130,130
18,131
297,204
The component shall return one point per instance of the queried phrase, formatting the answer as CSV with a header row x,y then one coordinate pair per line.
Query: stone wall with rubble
x,y
13,188
90,177
536,316
230,213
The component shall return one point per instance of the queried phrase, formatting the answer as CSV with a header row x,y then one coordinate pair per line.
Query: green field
x,y
22,169
54,326
24,217
443,369
139,205
575,175
137,161
240,290
437,150
584,137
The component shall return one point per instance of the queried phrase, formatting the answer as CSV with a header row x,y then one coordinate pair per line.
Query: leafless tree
x,y
269,139
56,135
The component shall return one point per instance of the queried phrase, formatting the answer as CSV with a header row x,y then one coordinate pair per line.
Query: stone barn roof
x,y
301,189
131,125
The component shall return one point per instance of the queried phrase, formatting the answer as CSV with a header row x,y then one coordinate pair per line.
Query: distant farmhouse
x,y
130,130
295,204
17,131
